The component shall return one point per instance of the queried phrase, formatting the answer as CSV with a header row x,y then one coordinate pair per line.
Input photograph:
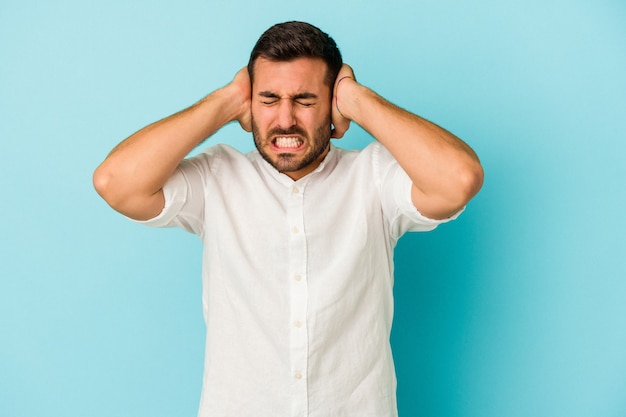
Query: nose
x,y
286,117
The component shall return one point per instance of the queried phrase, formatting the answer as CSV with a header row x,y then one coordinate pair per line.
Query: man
x,y
298,235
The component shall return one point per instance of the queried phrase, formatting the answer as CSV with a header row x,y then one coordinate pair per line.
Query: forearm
x,y
131,178
444,170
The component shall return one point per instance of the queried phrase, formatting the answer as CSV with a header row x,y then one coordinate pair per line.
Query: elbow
x,y
104,184
471,181
468,184
124,198
101,180
452,196
475,179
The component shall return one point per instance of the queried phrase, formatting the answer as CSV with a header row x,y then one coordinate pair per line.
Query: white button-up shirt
x,y
297,280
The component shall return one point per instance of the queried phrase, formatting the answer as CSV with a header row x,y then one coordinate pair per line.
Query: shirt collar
x,y
325,167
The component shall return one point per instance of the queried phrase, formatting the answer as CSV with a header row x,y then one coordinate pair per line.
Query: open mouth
x,y
288,143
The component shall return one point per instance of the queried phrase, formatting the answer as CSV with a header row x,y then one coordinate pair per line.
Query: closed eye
x,y
268,97
305,103
305,99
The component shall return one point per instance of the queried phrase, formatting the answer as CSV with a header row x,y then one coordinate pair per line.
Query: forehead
x,y
290,77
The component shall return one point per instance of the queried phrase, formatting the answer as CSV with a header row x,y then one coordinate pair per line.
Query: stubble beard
x,y
289,162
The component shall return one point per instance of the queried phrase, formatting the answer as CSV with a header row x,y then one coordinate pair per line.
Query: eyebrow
x,y
305,95
268,94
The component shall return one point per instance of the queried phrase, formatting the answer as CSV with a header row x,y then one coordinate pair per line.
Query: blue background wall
x,y
516,309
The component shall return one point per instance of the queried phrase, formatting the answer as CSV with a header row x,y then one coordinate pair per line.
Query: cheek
x,y
315,118
261,117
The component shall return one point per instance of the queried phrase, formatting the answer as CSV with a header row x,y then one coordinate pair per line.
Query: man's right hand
x,y
242,88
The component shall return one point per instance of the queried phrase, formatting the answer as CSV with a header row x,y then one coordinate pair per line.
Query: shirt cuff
x,y
175,194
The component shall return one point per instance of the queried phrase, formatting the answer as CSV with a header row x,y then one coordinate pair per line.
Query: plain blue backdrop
x,y
516,309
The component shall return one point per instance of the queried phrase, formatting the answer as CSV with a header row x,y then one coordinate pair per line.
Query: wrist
x,y
346,96
337,94
231,102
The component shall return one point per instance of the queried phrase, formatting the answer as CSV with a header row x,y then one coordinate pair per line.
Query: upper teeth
x,y
287,142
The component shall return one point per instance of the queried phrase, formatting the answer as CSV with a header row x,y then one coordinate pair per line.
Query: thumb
x,y
340,127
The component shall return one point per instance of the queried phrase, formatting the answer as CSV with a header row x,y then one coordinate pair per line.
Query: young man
x,y
298,235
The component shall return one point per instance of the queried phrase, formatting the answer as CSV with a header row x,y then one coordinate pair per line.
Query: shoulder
x,y
374,157
221,151
214,158
373,149
344,155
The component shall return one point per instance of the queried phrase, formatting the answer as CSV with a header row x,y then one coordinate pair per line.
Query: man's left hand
x,y
341,123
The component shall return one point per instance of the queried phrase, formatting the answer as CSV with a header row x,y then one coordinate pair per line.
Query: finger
x,y
339,129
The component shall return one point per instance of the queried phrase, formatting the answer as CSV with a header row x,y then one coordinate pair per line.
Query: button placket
x,y
298,300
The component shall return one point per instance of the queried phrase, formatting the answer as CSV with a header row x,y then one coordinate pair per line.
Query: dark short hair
x,y
290,40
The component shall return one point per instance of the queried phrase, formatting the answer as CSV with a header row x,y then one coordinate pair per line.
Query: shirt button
x,y
295,190
297,324
298,375
295,230
298,278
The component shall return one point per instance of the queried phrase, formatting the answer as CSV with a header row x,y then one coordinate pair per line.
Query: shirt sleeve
x,y
395,190
184,194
